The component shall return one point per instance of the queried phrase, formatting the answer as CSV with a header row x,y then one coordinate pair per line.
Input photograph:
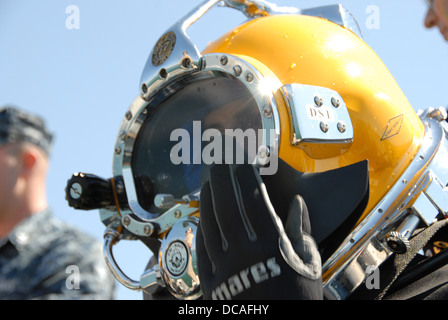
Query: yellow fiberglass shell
x,y
314,51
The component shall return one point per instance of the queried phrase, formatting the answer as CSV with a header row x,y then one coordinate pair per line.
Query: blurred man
x,y
437,15
40,256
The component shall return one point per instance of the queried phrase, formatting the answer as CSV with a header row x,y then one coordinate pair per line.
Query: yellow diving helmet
x,y
321,100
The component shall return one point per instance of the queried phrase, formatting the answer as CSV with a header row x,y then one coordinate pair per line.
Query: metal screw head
x,y
223,60
263,152
126,220
267,112
249,77
341,126
237,70
335,102
147,230
128,115
324,126
123,135
163,74
177,214
144,88
318,101
263,155
186,63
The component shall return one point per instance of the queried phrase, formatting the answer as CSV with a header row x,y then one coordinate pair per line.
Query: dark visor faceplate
x,y
220,103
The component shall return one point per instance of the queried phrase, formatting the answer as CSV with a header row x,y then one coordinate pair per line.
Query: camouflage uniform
x,y
44,258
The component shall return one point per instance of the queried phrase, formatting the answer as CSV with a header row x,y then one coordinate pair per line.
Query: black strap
x,y
401,261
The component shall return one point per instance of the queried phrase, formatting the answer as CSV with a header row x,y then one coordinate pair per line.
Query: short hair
x,y
21,126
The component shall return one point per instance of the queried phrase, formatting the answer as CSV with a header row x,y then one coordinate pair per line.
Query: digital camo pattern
x,y
44,258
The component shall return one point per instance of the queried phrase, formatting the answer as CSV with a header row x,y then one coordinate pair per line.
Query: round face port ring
x,y
261,88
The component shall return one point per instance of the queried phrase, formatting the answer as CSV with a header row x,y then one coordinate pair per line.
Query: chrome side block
x,y
320,120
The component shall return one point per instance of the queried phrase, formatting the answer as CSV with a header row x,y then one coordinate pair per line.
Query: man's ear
x,y
29,160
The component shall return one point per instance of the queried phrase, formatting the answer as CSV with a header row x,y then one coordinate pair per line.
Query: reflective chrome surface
x,y
178,260
111,238
415,195
174,54
177,263
319,116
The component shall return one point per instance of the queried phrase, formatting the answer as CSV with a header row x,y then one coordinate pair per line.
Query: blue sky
x,y
83,80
